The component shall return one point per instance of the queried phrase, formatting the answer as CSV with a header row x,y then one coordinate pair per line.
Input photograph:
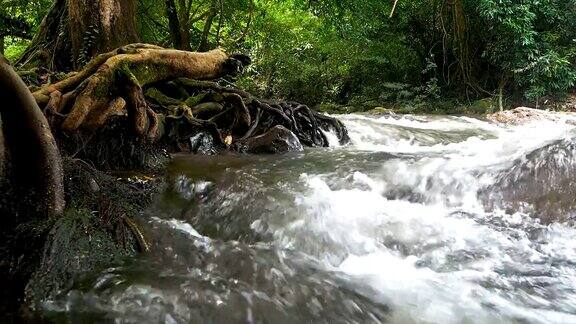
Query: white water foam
x,y
439,257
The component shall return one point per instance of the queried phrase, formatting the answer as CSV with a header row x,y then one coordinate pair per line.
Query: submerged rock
x,y
277,140
541,183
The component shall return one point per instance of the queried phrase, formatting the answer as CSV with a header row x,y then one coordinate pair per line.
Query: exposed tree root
x,y
27,145
125,110
165,97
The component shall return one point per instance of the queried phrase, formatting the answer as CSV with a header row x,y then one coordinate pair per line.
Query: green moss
x,y
482,106
91,236
146,73
195,100
79,243
161,98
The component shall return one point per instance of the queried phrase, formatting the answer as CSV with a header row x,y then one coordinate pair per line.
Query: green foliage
x,y
346,52
19,20
226,29
534,41
18,17
14,47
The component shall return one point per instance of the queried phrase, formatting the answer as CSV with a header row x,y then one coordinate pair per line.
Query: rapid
x,y
419,220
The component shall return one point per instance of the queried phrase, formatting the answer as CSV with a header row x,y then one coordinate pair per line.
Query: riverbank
x,y
448,106
99,229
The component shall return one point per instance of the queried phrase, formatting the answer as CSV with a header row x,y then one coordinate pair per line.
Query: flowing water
x,y
418,220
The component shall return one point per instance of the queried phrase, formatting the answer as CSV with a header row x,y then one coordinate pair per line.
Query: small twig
x,y
144,245
393,8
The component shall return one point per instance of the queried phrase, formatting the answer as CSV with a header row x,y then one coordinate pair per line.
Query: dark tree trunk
x,y
178,23
50,40
74,31
29,158
185,35
98,26
3,158
184,19
204,45
173,24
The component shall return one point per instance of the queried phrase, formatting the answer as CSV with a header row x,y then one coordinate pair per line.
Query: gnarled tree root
x,y
166,96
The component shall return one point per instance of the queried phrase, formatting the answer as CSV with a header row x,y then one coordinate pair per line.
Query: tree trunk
x,y
179,24
2,154
1,45
173,24
35,167
185,36
50,40
98,26
184,19
203,46
74,31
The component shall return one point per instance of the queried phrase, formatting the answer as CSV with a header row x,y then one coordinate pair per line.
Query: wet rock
x,y
202,143
93,185
380,111
276,141
541,184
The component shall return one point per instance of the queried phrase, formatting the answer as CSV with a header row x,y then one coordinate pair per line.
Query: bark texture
x,y
174,25
98,26
27,146
74,31
111,85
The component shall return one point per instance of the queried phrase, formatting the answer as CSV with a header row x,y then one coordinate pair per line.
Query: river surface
x,y
418,220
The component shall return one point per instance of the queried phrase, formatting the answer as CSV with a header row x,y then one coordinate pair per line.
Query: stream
x,y
419,220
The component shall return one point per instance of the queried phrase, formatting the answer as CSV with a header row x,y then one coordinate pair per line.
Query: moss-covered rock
x,y
482,106
380,111
98,230
79,243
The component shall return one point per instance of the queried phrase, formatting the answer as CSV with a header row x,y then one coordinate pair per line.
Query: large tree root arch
x,y
30,162
166,97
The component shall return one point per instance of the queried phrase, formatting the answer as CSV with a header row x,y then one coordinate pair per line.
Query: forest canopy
x,y
354,52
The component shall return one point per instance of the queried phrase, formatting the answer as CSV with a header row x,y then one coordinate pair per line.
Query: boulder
x,y
277,140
